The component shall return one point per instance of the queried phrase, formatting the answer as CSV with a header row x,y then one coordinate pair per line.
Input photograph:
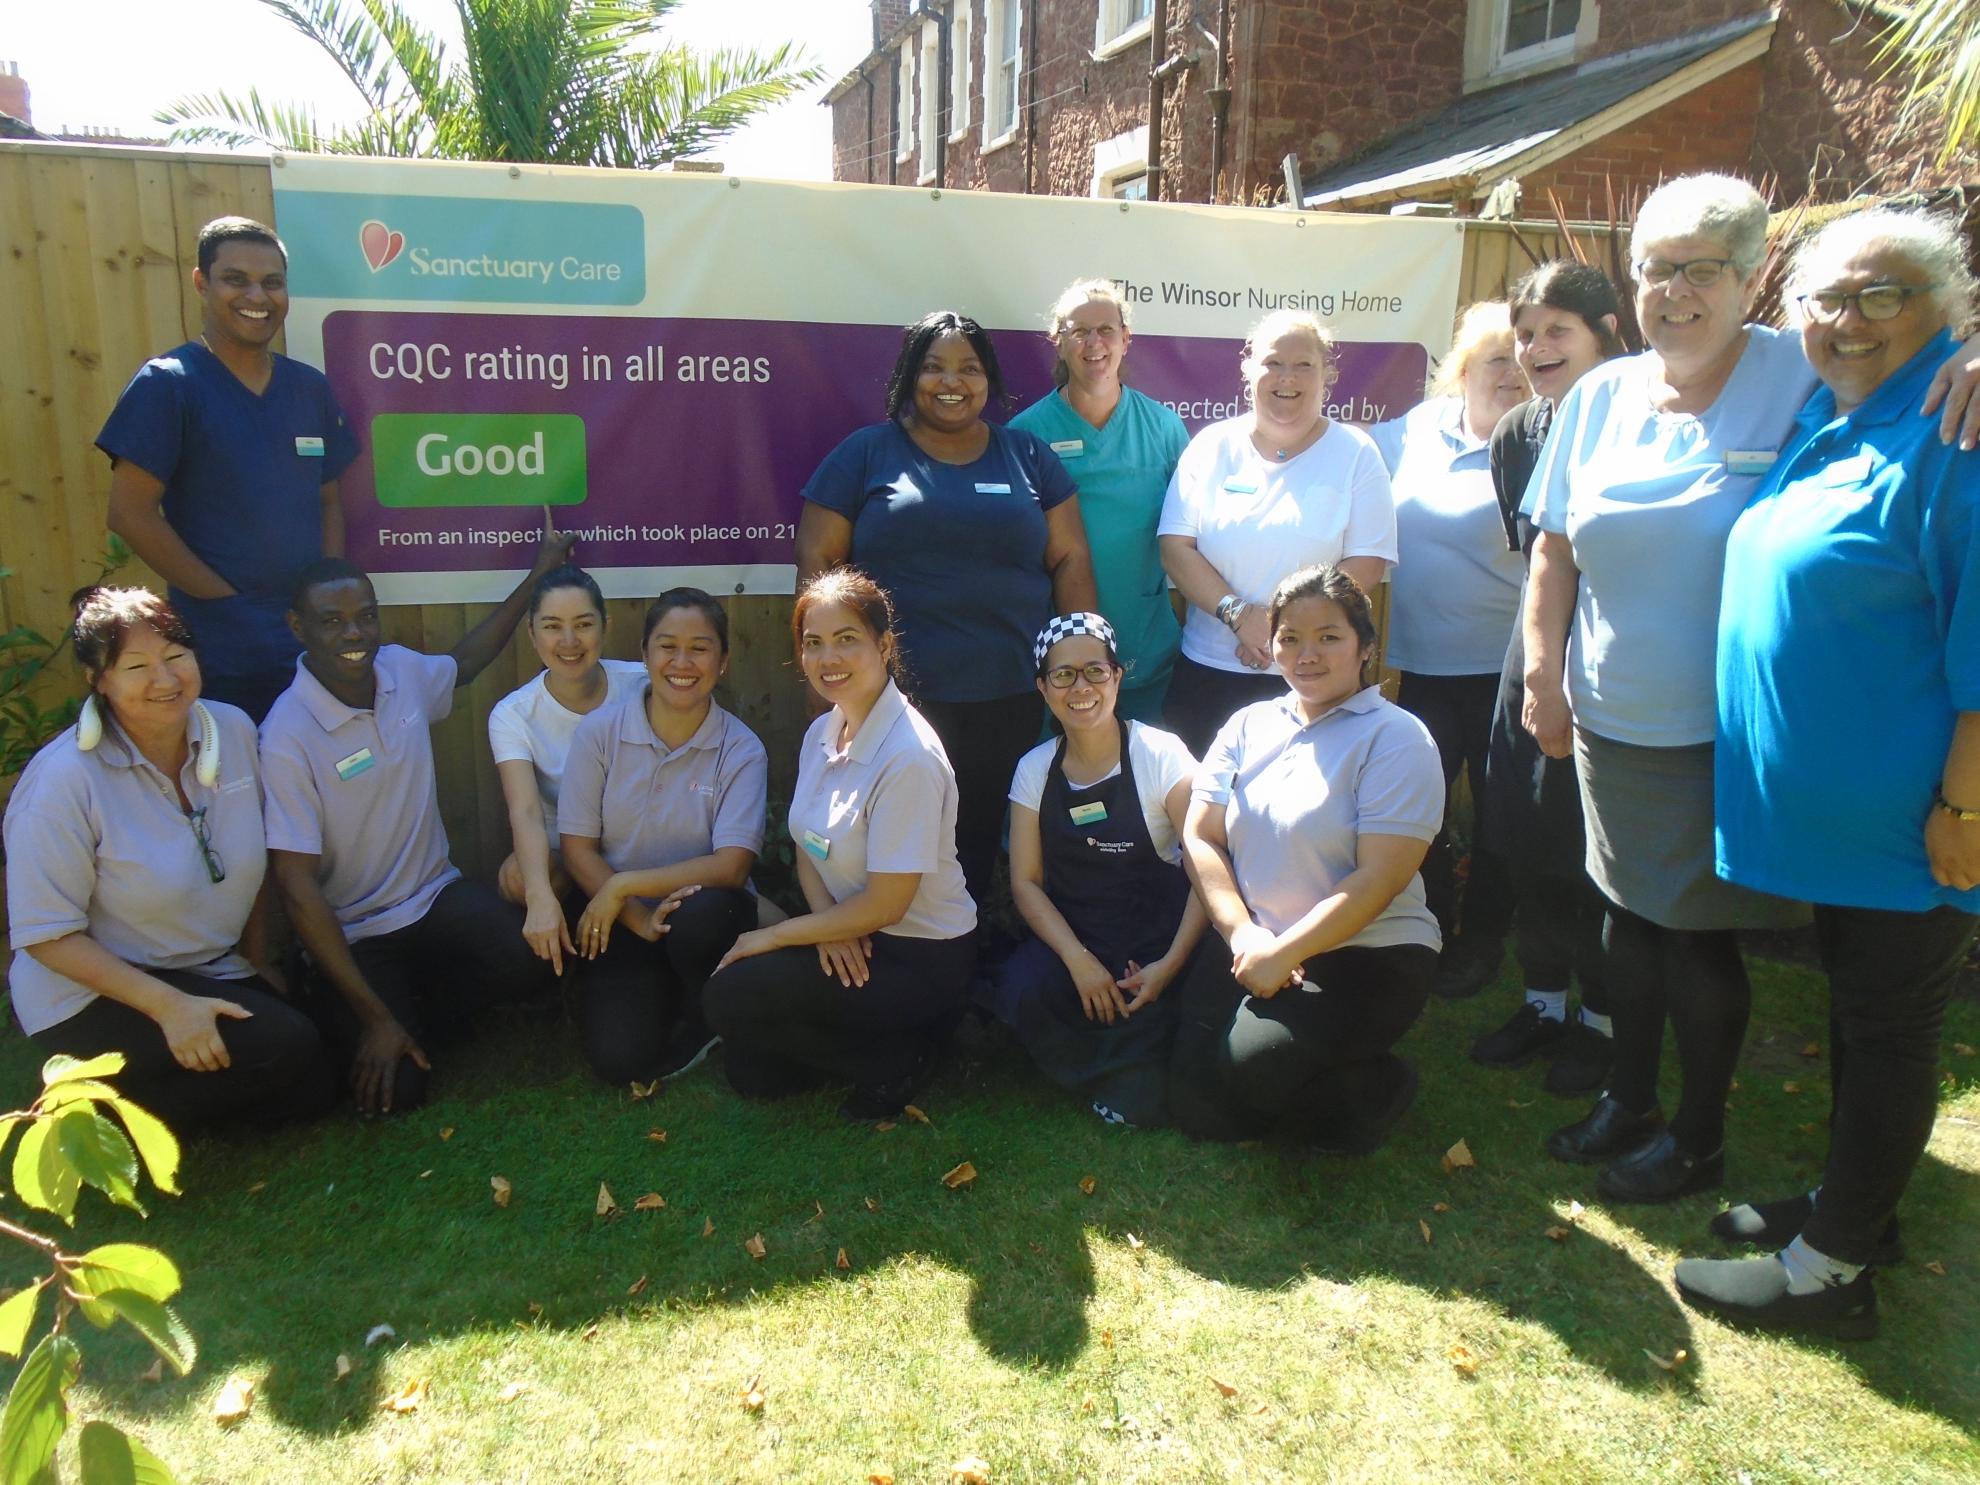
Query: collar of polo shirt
x,y
329,712
1364,700
635,728
1451,423
887,709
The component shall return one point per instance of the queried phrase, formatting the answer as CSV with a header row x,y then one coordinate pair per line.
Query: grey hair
x,y
1082,292
1929,241
1721,207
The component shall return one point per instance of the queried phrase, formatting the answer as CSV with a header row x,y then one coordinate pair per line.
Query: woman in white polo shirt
x,y
865,988
135,861
530,731
1311,815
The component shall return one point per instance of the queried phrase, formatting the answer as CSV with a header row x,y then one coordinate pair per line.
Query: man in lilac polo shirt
x,y
408,946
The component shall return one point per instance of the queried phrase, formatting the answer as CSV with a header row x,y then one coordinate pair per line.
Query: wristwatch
x,y
1965,817
1231,609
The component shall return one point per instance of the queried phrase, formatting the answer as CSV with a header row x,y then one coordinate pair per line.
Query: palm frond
x,y
1937,43
676,103
243,123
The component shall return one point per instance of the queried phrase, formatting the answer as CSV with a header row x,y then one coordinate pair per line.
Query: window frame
x,y
962,27
929,136
905,95
995,103
1114,32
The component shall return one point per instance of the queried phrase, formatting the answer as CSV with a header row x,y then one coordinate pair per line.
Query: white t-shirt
x,y
1258,521
1160,760
531,726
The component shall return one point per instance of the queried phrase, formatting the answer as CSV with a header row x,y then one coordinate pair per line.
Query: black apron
x,y
1124,902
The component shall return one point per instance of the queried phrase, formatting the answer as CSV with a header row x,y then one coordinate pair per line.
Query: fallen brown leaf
x,y
644,1090
257,1186
637,1286
1575,1209
1933,1266
817,1212
408,1398
1224,1389
1088,1403
960,1177
1808,1128
843,1261
1669,1363
423,1175
512,1391
1961,1049
607,1203
871,1204
1424,1228
1458,1157
1440,1207
1460,1357
589,1333
1811,1049
884,1126
1263,1410
1514,1103
752,1394
1087,1185
1735,1085
155,1372
970,1471
235,1402
447,1133
754,1246
1790,1087
658,1136
915,1114
708,1227
879,1477
344,1367
1107,1340
500,1188
535,1310
1558,1234
653,1201
1135,1244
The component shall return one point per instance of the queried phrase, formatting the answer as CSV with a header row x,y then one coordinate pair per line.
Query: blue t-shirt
x,y
1123,472
1849,642
961,547
1647,498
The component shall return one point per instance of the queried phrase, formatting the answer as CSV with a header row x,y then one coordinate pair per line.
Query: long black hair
x,y
923,333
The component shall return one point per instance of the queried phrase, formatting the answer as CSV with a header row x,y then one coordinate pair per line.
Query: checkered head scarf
x,y
1066,626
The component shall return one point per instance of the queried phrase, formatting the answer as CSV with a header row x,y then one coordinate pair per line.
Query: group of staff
x,y
1693,622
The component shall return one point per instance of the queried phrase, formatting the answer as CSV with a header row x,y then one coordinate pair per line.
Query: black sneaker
x,y
1782,1221
1582,1060
1845,1311
1661,1171
1526,1035
1606,1131
1466,966
687,1049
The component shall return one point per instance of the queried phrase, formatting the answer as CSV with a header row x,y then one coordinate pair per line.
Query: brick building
x,y
1473,103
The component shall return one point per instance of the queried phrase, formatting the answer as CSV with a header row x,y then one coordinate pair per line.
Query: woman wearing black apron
x,y
1096,873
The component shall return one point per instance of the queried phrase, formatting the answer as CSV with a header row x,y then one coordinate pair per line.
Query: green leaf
x,y
38,1412
79,1090
17,1317
156,1323
62,1068
155,1142
101,1154
7,1129
111,1457
129,1266
43,1176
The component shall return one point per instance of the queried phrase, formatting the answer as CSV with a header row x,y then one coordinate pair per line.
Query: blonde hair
x,y
1077,295
1476,326
1281,323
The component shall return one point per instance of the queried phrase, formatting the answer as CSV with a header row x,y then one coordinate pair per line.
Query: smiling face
x,y
1085,703
1685,325
841,657
952,385
1854,354
684,659
339,631
245,294
1493,383
1092,342
1317,651
1555,348
1288,379
152,683
567,631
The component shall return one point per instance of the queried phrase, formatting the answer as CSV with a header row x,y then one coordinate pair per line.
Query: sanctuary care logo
x,y
381,245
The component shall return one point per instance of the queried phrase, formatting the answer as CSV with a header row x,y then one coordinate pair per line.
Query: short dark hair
x,y
702,602
923,333
570,575
1579,289
105,618
217,233
324,570
853,589
1331,583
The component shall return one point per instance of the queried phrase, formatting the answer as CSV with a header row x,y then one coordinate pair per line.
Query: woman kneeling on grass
x,y
1096,873
1311,816
864,988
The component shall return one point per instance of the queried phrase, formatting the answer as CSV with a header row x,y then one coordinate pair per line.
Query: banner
x,y
664,359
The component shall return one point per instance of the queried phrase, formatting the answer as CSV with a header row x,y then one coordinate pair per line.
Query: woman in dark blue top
x,y
974,529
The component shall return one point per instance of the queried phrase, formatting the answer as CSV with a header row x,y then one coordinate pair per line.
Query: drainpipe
x,y
1220,99
945,104
1158,51
894,135
868,163
1029,51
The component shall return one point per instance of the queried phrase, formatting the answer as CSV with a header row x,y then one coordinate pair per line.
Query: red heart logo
x,y
380,243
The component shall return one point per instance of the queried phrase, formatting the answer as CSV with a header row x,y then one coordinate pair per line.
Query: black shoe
x,y
1368,1132
1582,1061
1527,1035
1603,1133
1662,1170
1845,1311
1466,967
1781,1224
877,1102
687,1049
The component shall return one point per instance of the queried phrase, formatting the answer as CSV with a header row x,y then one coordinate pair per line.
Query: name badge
x,y
1069,448
349,768
310,448
816,845
985,488
1241,487
1088,814
1750,461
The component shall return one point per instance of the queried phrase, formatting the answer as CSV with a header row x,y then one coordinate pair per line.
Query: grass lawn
x,y
1057,1335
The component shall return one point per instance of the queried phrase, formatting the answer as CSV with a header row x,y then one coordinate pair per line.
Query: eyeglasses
x,y
1700,273
1102,333
1062,677
216,869
1877,301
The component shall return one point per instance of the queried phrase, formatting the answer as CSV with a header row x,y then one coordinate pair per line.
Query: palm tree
x,y
576,82
1938,43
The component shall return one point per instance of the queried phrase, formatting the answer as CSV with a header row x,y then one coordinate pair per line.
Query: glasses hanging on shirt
x,y
216,869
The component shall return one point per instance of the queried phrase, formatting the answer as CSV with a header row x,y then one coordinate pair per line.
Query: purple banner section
x,y
699,434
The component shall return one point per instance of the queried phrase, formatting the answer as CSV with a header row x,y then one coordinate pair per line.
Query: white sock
x,y
1810,1270
1552,1003
1596,1021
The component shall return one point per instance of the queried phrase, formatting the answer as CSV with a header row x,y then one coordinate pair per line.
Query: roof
x,y
1524,125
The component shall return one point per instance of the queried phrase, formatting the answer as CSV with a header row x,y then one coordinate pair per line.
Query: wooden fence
x,y
96,277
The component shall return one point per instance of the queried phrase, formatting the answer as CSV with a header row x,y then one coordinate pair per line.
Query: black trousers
x,y
787,1026
984,740
1458,711
433,975
1890,977
1559,934
278,1068
631,997
1306,1061
1202,698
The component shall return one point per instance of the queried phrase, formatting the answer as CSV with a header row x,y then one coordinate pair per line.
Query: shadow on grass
x,y
295,1245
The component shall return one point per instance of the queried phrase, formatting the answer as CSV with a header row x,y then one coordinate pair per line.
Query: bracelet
x,y
1231,610
1965,817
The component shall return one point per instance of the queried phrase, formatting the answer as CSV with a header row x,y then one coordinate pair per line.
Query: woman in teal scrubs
x,y
1120,448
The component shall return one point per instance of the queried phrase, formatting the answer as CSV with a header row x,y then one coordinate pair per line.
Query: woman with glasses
x,y
1096,874
1121,447
135,863
1848,763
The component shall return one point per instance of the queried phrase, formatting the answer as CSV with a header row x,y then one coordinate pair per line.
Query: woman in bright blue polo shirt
x,y
975,531
1121,447
1848,762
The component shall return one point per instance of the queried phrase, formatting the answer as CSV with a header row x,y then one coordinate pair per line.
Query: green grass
x,y
1057,1335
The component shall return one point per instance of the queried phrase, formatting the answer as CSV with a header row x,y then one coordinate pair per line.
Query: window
x,y
1536,23
904,105
1002,64
1129,187
1120,166
959,27
1121,22
931,97
1504,39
